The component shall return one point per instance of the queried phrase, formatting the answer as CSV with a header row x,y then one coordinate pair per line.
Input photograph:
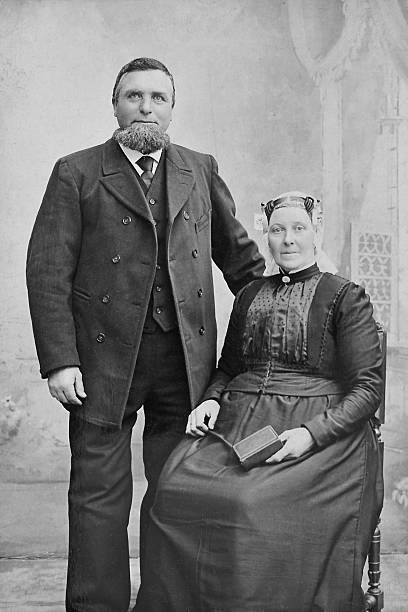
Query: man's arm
x,y
233,251
51,263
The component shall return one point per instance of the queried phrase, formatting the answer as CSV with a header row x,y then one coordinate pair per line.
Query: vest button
x,y
106,299
159,310
194,253
152,201
201,331
116,259
186,215
200,292
100,338
126,220
158,288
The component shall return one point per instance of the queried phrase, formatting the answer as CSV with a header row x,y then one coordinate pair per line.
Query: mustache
x,y
143,137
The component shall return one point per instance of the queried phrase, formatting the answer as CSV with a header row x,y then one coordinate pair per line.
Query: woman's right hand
x,y
203,418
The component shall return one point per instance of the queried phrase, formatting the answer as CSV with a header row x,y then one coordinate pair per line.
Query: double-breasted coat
x,y
91,265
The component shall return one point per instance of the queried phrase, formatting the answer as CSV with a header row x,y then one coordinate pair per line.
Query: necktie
x,y
146,164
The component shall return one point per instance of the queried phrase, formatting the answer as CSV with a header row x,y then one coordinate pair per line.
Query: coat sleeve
x,y
52,257
359,361
233,251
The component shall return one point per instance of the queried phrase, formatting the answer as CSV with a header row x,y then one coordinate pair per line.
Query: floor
x,y
35,585
33,556
33,563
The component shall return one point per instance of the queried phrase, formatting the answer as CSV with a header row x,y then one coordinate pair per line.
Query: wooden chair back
x,y
374,596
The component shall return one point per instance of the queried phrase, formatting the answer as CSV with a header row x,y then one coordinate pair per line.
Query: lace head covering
x,y
296,199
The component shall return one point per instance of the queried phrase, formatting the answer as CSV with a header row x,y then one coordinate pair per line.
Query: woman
x,y
291,534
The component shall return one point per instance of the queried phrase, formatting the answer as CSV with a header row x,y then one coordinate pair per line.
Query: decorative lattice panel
x,y
372,268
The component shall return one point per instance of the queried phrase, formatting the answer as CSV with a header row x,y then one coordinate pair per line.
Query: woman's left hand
x,y
296,442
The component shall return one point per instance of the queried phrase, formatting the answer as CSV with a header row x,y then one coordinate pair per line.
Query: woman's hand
x,y
296,442
207,411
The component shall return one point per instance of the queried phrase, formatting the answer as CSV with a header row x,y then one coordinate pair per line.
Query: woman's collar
x,y
298,275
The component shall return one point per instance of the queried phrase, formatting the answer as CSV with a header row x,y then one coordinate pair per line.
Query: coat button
x,y
194,253
152,201
100,337
126,220
116,259
106,299
158,288
200,292
159,310
201,331
186,215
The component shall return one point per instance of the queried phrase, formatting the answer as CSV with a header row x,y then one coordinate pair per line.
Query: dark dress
x,y
291,536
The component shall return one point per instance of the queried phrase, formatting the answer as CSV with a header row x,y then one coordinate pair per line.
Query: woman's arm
x,y
359,361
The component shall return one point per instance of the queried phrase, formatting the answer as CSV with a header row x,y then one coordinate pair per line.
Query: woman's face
x,y
291,238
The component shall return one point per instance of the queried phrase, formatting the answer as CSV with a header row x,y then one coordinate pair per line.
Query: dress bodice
x,y
276,323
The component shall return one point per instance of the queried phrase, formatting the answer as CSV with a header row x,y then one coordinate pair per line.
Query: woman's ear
x,y
270,263
265,225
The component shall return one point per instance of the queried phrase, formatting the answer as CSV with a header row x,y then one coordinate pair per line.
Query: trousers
x,y
100,490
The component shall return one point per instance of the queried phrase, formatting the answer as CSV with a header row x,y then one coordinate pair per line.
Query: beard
x,y
142,137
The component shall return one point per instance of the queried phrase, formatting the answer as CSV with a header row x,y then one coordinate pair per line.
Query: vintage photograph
x,y
204,313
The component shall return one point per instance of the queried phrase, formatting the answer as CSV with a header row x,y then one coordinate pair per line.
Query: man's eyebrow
x,y
134,90
131,90
160,93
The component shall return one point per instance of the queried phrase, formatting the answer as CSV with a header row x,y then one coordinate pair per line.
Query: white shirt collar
x,y
134,156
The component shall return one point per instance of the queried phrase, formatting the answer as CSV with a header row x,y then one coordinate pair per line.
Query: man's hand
x,y
66,385
196,425
296,442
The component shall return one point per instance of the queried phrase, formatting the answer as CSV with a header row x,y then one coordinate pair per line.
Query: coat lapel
x,y
120,180
180,181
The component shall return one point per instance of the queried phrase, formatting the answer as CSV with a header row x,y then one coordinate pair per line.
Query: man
x,y
121,298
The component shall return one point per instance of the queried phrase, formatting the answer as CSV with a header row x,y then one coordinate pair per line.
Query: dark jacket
x,y
91,265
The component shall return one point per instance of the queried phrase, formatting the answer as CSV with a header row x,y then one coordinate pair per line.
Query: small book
x,y
257,447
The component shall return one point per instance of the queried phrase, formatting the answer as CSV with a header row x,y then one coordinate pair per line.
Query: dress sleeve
x,y
230,363
359,362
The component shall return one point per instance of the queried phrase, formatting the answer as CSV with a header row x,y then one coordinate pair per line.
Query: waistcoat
x,y
161,313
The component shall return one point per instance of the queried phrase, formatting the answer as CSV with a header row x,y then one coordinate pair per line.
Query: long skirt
x,y
287,537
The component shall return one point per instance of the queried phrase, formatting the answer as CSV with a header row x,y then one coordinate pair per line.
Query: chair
x,y
374,596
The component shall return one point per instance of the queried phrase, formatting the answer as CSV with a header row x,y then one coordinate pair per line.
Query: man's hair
x,y
139,64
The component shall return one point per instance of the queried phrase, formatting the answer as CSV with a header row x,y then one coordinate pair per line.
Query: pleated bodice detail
x,y
276,323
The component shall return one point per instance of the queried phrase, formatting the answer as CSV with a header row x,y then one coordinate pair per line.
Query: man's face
x,y
144,97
